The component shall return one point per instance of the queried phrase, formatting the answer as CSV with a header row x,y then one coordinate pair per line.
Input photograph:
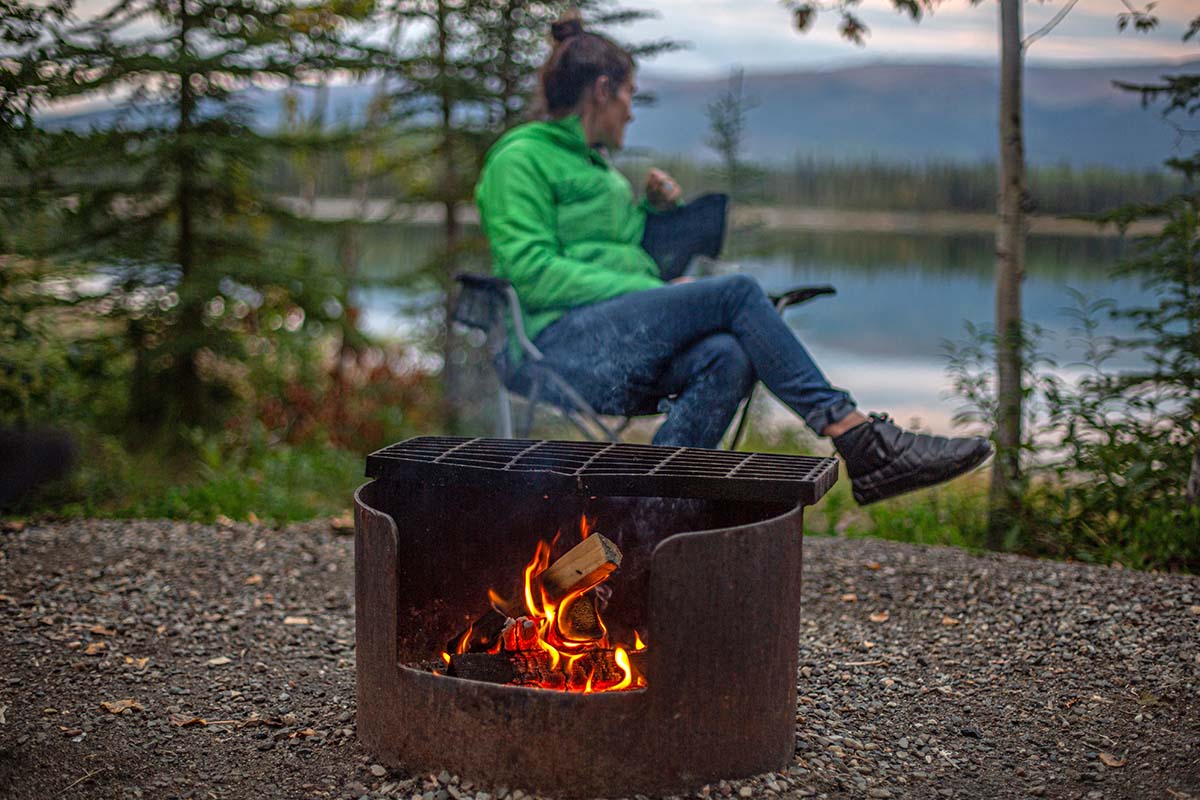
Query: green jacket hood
x,y
566,133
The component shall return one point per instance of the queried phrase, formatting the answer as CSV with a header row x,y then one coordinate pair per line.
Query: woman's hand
x,y
662,191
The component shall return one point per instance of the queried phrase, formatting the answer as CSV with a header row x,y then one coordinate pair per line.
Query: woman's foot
x,y
884,460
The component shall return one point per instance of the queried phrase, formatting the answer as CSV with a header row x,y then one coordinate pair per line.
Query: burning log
x,y
536,668
579,620
580,568
557,640
481,635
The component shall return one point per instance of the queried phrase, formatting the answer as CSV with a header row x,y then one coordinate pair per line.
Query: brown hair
x,y
579,57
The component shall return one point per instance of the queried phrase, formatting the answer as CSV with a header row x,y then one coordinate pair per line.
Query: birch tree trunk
x,y
1006,497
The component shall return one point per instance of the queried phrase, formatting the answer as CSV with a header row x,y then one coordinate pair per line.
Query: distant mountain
x,y
887,111
905,112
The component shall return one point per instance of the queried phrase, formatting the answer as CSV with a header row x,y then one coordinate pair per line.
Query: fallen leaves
x,y
297,621
949,621
184,721
188,721
121,706
1112,761
95,649
100,630
880,616
219,661
140,663
850,597
253,580
343,523
873,565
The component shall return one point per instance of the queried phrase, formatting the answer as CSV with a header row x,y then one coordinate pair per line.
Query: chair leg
x,y
504,422
574,419
584,407
743,418
527,422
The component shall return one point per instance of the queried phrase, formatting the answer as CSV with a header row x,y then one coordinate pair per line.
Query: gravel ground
x,y
225,655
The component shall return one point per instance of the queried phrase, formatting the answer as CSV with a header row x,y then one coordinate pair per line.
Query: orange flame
x,y
622,659
549,632
638,644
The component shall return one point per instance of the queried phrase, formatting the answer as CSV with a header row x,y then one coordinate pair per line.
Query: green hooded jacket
x,y
561,222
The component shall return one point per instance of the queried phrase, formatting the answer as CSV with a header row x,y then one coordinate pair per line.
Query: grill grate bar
x,y
606,468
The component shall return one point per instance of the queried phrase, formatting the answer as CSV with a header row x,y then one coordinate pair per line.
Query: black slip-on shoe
x,y
883,460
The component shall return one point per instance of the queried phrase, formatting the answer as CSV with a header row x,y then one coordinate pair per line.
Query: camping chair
x,y
491,305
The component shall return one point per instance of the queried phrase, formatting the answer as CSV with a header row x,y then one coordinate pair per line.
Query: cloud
x,y
758,35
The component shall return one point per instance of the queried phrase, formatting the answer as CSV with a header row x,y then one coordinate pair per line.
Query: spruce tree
x,y
161,194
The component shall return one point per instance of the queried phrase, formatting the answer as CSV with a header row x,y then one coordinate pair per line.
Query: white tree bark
x,y
1010,270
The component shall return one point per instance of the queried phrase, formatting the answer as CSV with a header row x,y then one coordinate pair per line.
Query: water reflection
x,y
900,297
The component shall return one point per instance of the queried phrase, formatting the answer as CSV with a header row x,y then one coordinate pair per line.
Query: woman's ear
x,y
602,89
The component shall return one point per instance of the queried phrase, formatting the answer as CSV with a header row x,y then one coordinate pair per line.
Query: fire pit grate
x,y
597,468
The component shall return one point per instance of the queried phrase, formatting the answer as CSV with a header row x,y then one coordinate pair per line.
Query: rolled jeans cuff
x,y
821,418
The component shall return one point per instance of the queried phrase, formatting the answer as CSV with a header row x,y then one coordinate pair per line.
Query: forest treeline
x,y
868,185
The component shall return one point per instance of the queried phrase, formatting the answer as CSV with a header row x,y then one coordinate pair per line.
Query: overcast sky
x,y
757,35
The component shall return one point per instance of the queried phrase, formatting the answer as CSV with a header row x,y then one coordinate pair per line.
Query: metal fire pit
x,y
710,577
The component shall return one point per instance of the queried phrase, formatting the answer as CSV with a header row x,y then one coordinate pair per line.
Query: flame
x,y
622,659
543,624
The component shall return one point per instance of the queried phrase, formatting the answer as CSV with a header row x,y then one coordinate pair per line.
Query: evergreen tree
x,y
727,136
161,195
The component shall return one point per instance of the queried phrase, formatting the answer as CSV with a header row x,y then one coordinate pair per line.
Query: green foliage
x,y
239,477
1107,455
727,136
163,197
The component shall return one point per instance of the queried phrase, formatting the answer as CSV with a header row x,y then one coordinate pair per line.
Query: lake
x,y
900,297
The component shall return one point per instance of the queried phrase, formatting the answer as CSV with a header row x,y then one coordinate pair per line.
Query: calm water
x,y
900,297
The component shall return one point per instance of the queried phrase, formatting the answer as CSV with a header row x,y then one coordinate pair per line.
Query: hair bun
x,y
566,28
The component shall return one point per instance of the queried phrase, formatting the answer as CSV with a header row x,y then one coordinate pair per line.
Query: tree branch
x,y
1051,25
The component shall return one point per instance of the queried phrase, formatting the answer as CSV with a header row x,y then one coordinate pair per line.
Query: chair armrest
x,y
801,294
487,282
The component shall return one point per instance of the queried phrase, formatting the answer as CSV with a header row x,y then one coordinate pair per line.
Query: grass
x,y
255,480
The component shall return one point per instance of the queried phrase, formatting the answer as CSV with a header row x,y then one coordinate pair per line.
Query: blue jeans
x,y
698,346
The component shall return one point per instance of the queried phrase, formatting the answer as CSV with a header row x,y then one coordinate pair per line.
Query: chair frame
x,y
491,305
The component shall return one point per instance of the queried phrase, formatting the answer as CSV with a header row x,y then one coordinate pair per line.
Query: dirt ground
x,y
163,659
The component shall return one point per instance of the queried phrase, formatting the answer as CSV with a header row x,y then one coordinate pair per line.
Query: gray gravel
x,y
925,672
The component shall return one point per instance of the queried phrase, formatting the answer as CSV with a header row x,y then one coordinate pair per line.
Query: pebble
x,y
902,726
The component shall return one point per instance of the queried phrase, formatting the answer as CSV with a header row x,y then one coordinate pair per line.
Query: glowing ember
x,y
556,643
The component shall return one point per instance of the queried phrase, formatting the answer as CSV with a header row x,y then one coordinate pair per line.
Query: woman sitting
x,y
565,231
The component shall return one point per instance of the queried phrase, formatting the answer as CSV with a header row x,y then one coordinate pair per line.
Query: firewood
x,y
580,568
532,667
481,635
579,620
